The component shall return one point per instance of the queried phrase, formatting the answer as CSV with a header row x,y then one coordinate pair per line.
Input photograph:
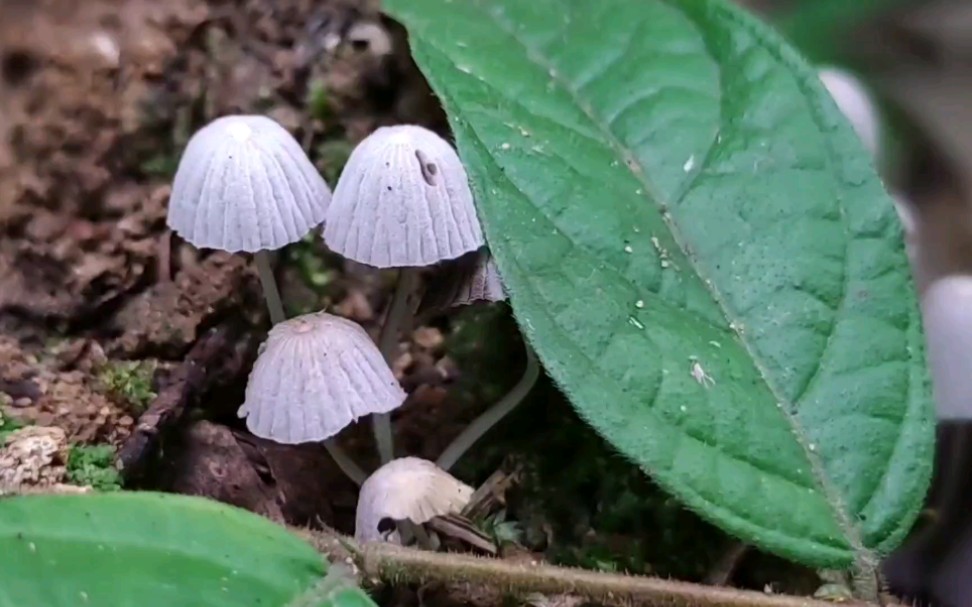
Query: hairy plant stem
x,y
476,576
400,311
270,292
489,418
277,315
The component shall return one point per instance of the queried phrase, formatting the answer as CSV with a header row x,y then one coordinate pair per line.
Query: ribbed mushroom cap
x,y
403,200
245,184
947,312
855,103
315,375
471,278
409,488
482,284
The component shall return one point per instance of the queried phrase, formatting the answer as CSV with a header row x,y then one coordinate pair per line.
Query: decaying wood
x,y
187,385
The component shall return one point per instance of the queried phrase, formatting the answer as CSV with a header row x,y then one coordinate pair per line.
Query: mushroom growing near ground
x,y
406,490
403,201
467,280
315,375
244,184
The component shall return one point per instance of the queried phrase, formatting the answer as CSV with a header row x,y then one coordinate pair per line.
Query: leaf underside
x,y
700,252
149,549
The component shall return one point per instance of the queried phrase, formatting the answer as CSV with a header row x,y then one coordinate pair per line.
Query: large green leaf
x,y
700,252
150,549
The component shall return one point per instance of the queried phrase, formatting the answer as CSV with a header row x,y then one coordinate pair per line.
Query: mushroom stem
x,y
400,311
270,292
344,462
497,411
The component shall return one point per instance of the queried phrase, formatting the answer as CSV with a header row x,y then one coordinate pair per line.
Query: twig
x,y
188,383
388,563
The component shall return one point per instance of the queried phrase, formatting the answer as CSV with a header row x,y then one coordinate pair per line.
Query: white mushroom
x,y
403,200
464,281
855,103
947,311
406,489
315,375
245,184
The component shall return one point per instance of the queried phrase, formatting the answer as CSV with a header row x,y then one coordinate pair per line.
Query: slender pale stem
x,y
277,315
497,411
344,462
399,315
270,292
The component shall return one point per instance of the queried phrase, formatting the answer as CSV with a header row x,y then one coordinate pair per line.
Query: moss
x,y
318,104
7,424
129,382
161,165
331,156
94,466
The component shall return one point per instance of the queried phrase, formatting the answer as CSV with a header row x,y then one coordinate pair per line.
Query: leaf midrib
x,y
651,193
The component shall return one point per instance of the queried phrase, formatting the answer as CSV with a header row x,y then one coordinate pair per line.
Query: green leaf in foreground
x,y
700,252
151,549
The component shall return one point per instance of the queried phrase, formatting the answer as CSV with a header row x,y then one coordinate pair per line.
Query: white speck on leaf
x,y
662,252
715,344
812,447
628,249
683,408
505,146
699,375
689,164
464,69
640,304
635,322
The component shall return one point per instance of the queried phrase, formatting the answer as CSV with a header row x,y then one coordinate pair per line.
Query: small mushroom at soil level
x,y
403,201
315,375
245,184
947,310
406,489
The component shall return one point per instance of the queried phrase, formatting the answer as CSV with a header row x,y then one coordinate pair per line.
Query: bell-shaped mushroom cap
x,y
403,200
471,278
316,374
409,488
855,103
947,311
245,184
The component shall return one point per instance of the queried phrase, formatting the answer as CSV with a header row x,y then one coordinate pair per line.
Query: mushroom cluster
x,y
402,202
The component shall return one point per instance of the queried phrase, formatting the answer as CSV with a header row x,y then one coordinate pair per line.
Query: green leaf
x,y
152,549
699,250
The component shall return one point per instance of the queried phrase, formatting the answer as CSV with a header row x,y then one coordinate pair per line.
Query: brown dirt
x,y
97,100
